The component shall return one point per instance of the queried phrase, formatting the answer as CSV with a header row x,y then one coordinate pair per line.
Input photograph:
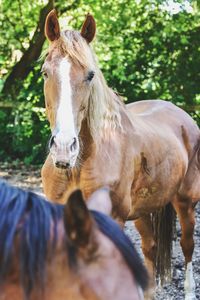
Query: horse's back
x,y
165,115
161,112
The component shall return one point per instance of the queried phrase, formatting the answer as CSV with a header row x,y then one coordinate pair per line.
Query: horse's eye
x,y
44,74
90,75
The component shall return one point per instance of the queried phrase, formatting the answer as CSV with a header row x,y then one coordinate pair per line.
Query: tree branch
x,y
23,67
62,10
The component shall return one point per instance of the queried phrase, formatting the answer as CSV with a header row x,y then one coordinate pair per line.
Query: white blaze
x,y
64,117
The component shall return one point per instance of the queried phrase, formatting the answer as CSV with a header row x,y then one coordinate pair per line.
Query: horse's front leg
x,y
144,227
54,181
185,212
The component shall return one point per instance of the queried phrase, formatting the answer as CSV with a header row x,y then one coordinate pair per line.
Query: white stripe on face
x,y
65,118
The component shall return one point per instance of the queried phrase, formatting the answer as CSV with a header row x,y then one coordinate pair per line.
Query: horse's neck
x,y
86,141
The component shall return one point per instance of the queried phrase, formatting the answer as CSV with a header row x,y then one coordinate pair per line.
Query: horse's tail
x,y
164,222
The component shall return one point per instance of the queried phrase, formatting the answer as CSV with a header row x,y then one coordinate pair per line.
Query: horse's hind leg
x,y
185,211
144,227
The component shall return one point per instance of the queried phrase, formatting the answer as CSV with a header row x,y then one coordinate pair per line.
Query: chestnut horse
x,y
147,153
53,252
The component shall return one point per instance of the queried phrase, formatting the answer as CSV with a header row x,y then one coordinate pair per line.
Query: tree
x,y
23,67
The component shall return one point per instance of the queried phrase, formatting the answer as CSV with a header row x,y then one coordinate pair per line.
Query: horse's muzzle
x,y
64,153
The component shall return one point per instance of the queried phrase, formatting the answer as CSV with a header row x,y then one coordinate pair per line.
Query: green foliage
x,y
25,127
26,133
144,50
18,20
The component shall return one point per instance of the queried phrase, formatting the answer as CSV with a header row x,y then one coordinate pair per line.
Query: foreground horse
x,y
148,152
52,252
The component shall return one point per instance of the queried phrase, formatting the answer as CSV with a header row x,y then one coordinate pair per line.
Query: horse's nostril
x,y
62,165
73,145
52,141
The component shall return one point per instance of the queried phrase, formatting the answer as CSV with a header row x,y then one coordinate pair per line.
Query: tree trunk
x,y
22,68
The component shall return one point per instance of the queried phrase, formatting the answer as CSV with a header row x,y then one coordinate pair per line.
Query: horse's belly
x,y
154,190
147,200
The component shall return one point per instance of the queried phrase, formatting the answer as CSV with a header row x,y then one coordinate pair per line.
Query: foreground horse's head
x,y
53,252
68,72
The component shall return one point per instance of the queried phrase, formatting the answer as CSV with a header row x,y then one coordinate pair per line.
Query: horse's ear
x,y
100,200
89,28
52,27
77,220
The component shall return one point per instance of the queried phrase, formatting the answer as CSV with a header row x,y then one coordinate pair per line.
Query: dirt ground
x,y
29,178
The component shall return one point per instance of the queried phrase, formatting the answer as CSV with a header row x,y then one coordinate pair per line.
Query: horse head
x,y
50,251
68,72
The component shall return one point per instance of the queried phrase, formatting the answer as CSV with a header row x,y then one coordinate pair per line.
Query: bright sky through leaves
x,y
175,7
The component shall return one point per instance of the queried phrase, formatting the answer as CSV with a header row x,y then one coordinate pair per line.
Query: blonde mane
x,y
102,108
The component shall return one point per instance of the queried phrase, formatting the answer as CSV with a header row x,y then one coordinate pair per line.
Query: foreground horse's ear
x,y
100,200
52,27
89,28
77,220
